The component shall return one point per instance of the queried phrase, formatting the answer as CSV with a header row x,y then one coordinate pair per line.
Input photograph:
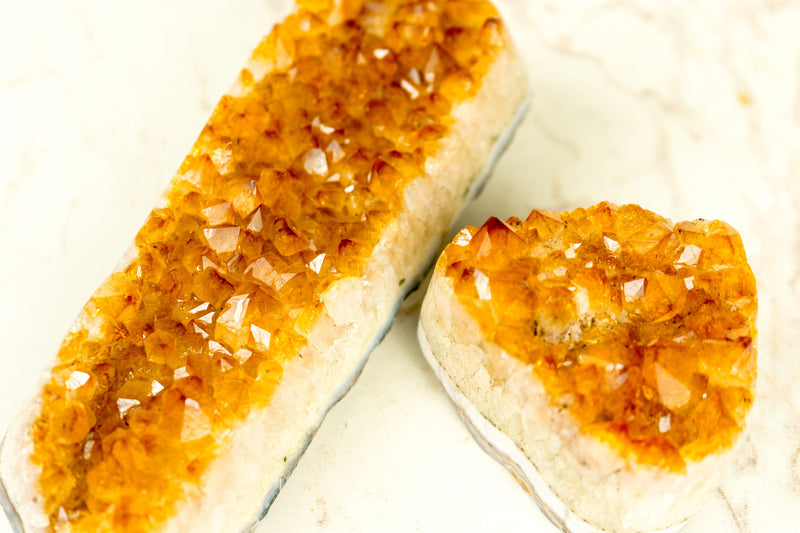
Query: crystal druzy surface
x,y
643,330
287,190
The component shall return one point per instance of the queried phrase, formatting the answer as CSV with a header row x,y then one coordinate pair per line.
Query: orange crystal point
x,y
288,189
643,330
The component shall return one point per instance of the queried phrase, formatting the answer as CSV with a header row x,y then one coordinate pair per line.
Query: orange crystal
x,y
286,191
643,330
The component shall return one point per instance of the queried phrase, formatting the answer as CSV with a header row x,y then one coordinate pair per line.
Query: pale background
x,y
691,109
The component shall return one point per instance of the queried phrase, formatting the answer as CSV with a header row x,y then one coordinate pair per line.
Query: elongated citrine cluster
x,y
643,331
287,190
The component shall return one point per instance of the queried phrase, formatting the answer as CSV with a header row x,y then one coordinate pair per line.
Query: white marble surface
x,y
691,109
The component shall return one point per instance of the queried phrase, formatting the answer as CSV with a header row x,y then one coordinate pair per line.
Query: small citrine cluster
x,y
287,190
644,331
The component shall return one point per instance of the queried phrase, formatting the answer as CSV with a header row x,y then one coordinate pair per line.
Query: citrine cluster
x,y
286,191
644,331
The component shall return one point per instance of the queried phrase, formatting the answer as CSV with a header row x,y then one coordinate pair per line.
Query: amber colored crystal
x,y
287,190
643,330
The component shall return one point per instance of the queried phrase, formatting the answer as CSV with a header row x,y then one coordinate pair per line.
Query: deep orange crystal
x,y
286,191
643,330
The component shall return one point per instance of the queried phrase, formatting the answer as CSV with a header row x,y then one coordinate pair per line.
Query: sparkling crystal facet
x,y
316,162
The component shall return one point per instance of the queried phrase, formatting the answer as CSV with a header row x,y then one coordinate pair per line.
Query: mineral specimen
x,y
287,190
643,330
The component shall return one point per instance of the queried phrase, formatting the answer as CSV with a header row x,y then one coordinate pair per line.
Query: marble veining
x,y
691,109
